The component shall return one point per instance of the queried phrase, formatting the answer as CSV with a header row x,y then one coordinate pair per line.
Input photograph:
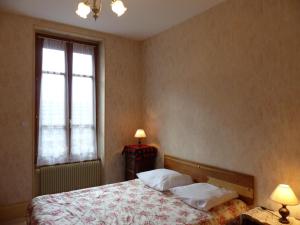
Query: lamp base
x,y
284,221
284,212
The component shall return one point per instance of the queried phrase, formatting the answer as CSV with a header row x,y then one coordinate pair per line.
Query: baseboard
x,y
14,211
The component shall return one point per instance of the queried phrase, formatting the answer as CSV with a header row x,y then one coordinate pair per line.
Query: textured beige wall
x,y
122,98
223,88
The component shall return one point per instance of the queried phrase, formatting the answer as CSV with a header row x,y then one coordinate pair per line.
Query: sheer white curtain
x,y
83,125
52,142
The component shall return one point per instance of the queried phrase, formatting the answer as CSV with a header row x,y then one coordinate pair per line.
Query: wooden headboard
x,y
241,183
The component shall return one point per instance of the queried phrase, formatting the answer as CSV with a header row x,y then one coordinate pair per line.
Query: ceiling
x,y
143,19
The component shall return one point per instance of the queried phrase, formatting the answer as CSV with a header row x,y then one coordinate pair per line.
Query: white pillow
x,y
164,179
203,196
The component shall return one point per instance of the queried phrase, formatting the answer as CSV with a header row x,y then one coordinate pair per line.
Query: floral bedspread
x,y
129,202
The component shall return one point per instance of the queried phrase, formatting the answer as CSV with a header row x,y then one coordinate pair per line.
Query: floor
x,y
21,221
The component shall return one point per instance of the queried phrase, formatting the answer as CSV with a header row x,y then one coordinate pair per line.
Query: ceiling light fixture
x,y
85,7
118,7
83,10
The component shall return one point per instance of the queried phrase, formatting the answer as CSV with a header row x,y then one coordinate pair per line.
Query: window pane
x,y
83,101
83,143
52,146
53,60
53,100
52,133
83,64
53,141
83,137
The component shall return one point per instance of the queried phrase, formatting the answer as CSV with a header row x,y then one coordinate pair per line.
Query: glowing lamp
x,y
140,133
284,195
83,10
117,6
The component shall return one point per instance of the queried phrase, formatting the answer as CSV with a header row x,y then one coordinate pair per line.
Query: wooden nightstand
x,y
138,158
258,216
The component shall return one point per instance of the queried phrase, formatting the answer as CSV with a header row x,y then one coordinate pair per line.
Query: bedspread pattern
x,y
128,202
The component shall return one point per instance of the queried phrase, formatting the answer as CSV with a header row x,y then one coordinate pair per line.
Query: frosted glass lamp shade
x,y
140,133
284,195
117,6
83,10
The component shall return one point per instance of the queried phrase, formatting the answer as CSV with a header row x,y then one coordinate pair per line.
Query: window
x,y
65,101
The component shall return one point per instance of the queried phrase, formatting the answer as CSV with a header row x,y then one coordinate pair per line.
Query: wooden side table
x,y
138,158
259,216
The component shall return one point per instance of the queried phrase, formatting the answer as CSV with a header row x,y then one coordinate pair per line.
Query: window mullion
x,y
69,94
96,96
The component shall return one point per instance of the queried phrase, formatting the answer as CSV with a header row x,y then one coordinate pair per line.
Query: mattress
x,y
129,202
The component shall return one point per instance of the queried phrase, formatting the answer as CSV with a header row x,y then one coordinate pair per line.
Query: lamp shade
x,y
283,194
83,10
118,7
140,133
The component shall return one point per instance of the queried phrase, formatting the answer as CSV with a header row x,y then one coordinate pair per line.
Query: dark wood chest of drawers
x,y
138,158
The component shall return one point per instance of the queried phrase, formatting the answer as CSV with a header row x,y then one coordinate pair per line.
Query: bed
x,y
132,202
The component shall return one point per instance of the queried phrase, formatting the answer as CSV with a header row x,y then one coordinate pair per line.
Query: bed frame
x,y
241,183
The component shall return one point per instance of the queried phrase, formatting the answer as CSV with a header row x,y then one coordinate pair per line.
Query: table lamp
x,y
284,195
140,133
